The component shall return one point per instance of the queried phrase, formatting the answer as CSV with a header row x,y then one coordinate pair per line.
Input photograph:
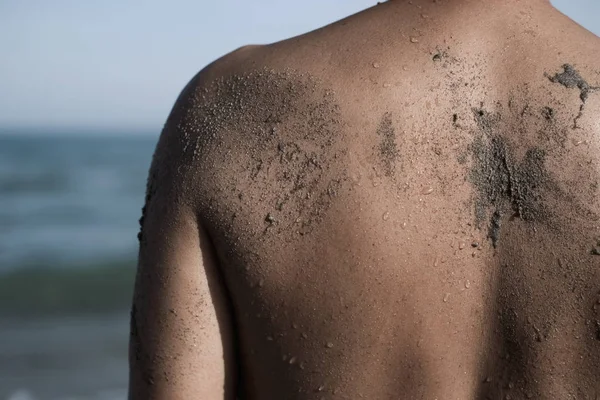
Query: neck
x,y
499,6
463,2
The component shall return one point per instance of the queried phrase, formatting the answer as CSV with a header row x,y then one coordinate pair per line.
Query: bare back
x,y
404,204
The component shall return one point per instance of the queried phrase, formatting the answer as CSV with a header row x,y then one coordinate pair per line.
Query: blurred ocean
x,y
69,209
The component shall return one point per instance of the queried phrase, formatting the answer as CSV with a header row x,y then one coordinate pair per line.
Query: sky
x,y
119,65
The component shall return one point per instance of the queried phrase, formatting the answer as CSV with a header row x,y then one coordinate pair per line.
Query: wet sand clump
x,y
571,79
150,191
504,184
388,147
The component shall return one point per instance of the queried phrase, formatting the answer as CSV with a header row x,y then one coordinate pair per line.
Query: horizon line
x,y
82,130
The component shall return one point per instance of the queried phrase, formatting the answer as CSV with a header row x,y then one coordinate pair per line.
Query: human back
x,y
404,204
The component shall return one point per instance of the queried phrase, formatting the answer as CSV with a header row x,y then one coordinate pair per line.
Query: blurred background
x,y
84,90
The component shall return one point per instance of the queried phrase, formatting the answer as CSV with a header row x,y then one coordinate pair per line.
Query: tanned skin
x,y
401,205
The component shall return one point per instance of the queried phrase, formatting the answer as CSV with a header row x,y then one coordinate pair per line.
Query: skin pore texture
x,y
401,205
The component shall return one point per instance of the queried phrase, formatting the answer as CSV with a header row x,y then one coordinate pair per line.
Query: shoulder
x,y
236,113
186,123
198,104
248,87
232,63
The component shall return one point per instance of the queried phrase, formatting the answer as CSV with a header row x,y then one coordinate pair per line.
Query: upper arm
x,y
180,344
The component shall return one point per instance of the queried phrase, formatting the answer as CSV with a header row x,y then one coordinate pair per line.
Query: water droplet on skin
x,y
386,216
511,385
387,85
414,39
329,345
404,68
376,65
446,297
295,326
436,262
467,284
426,191
261,283
321,388
293,360
404,225
304,335
462,245
577,142
488,379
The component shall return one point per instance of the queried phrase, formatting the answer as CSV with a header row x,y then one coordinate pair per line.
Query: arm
x,y
180,343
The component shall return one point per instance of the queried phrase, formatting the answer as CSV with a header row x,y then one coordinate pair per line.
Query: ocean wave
x,y
116,394
85,289
42,182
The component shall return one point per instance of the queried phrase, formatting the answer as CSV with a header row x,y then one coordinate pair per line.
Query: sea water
x,y
69,210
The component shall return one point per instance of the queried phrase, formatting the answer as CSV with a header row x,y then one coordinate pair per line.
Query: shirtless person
x,y
401,205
